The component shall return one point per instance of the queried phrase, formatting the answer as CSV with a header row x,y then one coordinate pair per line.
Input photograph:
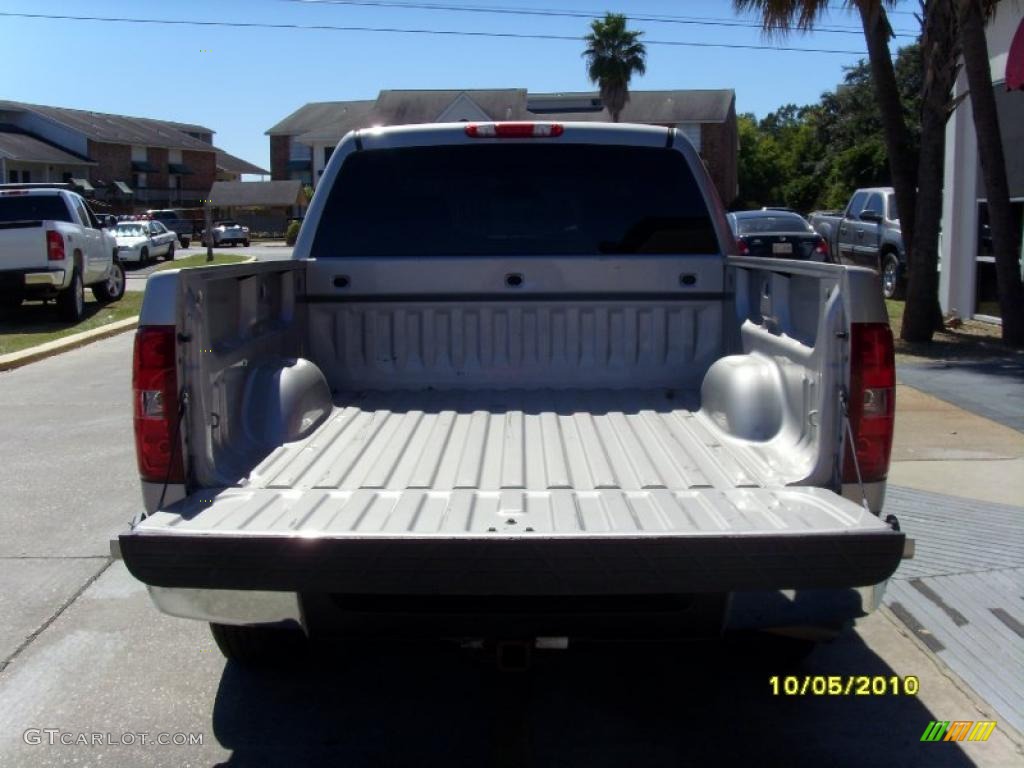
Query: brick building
x,y
129,163
302,142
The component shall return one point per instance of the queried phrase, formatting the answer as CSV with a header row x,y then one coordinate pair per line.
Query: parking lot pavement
x,y
92,658
260,251
111,664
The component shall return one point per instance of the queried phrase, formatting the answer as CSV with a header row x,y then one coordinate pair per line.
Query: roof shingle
x,y
330,120
118,129
231,164
257,194
15,145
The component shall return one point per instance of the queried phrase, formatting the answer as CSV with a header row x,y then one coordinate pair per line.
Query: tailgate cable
x,y
175,446
848,428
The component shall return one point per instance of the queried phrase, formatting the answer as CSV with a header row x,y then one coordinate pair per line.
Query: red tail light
x,y
155,396
54,245
822,247
872,401
514,130
741,245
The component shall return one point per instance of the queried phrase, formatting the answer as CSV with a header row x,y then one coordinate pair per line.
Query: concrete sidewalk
x,y
941,448
957,486
990,388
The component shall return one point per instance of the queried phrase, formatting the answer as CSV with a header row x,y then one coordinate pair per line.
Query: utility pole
x,y
208,232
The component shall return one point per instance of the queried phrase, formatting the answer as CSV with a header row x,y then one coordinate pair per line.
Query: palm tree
x,y
917,181
614,54
923,315
781,16
972,15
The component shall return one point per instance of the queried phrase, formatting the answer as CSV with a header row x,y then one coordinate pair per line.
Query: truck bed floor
x,y
514,439
512,492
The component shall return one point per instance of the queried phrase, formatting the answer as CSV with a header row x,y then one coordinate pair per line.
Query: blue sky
x,y
241,81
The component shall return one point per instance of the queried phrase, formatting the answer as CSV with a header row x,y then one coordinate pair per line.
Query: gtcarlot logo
x,y
958,730
57,737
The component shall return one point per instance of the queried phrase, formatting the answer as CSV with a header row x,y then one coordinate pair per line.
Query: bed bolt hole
x,y
687,279
341,281
514,280
510,521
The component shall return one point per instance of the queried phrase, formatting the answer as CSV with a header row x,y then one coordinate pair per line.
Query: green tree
x,y
614,54
815,156
782,16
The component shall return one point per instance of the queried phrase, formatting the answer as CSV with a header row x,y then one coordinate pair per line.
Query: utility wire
x,y
411,31
706,21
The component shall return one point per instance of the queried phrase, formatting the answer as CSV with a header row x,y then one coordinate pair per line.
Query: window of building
x,y
986,285
140,180
328,151
299,151
12,177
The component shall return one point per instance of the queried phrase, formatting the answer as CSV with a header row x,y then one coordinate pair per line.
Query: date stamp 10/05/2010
x,y
844,685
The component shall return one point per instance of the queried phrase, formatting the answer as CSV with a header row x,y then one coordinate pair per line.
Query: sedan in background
x,y
777,234
143,241
230,233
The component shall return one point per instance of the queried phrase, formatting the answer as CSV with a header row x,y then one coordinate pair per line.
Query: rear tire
x,y
245,243
71,301
111,289
259,646
894,285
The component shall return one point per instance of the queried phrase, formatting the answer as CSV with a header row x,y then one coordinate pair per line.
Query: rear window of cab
x,y
514,199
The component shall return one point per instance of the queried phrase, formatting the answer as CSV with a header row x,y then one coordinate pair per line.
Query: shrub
x,y
292,233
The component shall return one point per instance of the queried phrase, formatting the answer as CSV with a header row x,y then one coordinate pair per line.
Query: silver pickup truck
x,y
867,233
513,384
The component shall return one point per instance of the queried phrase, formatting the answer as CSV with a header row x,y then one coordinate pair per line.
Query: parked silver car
x,y
230,233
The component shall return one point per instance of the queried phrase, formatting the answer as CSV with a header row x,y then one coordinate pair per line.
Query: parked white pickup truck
x,y
52,246
513,384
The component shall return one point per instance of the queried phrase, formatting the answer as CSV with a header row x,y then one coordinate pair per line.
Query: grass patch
x,y
199,260
970,340
36,323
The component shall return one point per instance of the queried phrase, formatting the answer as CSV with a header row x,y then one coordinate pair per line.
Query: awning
x,y
1015,61
143,166
179,168
122,187
82,184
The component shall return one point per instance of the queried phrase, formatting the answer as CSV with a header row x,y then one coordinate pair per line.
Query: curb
x,y
55,347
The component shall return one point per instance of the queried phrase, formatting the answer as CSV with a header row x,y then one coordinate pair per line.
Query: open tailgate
x,y
513,542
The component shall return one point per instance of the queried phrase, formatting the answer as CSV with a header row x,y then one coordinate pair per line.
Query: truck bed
x,y
515,439
513,492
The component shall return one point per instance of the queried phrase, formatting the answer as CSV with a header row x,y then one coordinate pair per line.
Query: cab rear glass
x,y
514,199
33,208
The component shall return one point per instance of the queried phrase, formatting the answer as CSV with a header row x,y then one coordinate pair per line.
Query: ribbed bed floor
x,y
515,439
